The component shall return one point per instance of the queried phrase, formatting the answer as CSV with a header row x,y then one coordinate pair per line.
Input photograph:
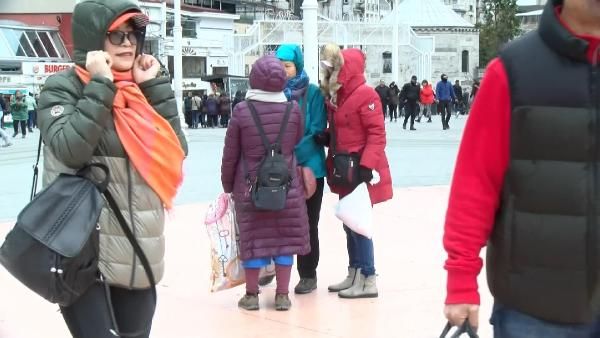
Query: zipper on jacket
x,y
130,208
592,233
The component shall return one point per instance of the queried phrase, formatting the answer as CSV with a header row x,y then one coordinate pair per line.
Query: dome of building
x,y
427,13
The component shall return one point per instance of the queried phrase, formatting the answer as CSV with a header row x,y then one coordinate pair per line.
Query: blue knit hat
x,y
291,53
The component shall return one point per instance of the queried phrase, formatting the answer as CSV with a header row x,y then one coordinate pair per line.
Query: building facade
x,y
456,39
207,41
35,42
467,9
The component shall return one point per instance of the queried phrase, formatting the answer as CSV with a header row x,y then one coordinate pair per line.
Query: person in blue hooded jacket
x,y
308,152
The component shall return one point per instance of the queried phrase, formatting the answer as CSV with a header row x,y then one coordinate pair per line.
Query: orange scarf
x,y
148,139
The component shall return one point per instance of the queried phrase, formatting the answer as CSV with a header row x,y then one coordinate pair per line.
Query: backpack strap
x,y
266,143
259,126
284,123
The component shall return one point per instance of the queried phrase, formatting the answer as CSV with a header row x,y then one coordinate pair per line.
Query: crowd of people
x,y
414,100
207,111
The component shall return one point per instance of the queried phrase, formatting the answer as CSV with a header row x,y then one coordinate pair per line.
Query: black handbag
x,y
465,328
53,249
346,166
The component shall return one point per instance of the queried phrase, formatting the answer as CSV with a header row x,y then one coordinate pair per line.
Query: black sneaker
x,y
305,285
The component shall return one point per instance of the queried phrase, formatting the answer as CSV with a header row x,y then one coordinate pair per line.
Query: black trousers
x,y
89,316
307,264
446,112
23,124
393,111
411,112
384,109
224,120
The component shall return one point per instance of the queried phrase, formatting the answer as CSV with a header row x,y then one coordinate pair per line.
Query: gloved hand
x,y
323,138
366,174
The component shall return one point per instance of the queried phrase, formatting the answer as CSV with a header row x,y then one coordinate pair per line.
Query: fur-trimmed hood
x,y
332,55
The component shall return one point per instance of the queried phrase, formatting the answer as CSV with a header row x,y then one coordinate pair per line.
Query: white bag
x,y
226,267
356,211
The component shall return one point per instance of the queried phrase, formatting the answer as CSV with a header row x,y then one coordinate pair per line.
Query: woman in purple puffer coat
x,y
265,235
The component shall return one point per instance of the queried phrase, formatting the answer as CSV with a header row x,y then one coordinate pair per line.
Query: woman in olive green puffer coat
x,y
79,112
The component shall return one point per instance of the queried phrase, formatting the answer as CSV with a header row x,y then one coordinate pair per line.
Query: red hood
x,y
352,74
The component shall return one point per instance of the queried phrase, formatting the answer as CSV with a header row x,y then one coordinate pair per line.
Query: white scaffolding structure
x,y
414,52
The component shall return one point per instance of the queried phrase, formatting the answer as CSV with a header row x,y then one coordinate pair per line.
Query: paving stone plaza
x,y
408,253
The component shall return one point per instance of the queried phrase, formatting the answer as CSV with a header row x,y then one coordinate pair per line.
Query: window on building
x,y
219,70
188,26
35,41
465,61
193,66
48,46
151,47
32,43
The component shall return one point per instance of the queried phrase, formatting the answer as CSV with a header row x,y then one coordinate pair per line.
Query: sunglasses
x,y
118,37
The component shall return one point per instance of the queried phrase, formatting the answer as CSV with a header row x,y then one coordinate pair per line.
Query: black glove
x,y
366,174
323,138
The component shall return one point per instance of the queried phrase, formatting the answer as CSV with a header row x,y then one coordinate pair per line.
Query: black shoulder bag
x,y
53,249
346,171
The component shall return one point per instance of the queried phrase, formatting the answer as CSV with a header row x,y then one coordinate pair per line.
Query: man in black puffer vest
x,y
527,183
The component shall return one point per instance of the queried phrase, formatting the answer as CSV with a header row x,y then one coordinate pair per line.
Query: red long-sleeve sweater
x,y
478,179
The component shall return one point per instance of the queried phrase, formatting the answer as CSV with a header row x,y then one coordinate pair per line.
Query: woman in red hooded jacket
x,y
427,98
355,110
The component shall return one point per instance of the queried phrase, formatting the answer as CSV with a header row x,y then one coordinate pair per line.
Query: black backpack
x,y
270,187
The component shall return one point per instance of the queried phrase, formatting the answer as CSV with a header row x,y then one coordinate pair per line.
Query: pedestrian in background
x,y
383,91
394,99
239,97
187,106
3,111
197,117
426,100
212,110
265,236
18,109
410,95
225,106
458,94
445,96
31,112
112,109
309,153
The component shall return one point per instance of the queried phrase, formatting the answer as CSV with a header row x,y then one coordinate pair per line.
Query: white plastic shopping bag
x,y
226,266
356,212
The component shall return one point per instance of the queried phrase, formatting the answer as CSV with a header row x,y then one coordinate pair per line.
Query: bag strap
x,y
36,170
464,328
139,253
305,100
333,136
266,143
284,124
